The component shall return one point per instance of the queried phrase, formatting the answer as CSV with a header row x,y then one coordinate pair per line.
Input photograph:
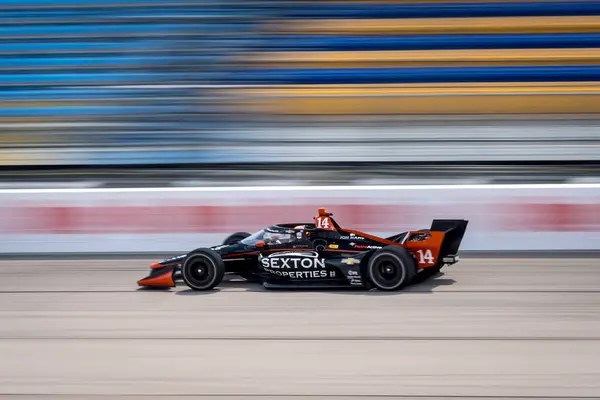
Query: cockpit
x,y
270,237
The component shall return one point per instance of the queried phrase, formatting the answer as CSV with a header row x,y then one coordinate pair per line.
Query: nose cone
x,y
161,275
161,280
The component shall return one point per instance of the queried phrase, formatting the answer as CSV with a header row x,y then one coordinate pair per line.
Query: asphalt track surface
x,y
494,328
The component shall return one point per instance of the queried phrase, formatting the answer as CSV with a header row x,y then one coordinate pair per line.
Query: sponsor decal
x,y
302,274
350,261
293,263
297,265
362,246
333,246
353,273
352,237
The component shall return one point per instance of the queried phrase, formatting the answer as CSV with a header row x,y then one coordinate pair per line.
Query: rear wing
x,y
454,231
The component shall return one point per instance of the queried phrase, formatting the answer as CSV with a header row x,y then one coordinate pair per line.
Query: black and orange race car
x,y
320,254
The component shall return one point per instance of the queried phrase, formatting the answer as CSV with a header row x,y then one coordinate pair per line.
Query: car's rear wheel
x,y
236,237
391,268
203,269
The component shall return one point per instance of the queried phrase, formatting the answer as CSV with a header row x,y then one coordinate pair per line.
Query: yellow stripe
x,y
350,59
544,104
511,98
511,88
440,26
25,157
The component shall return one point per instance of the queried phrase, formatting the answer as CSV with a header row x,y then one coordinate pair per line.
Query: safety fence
x,y
170,220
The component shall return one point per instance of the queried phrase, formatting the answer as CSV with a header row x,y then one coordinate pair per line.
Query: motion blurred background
x,y
133,130
197,93
151,92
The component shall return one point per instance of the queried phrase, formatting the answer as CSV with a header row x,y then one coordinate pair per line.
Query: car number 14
x,y
322,223
425,256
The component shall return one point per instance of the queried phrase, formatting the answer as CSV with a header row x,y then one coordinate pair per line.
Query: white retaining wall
x,y
502,217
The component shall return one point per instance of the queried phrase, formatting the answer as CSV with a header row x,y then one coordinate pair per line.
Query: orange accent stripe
x,y
164,280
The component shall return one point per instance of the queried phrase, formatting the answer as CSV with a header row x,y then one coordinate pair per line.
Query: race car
x,y
320,254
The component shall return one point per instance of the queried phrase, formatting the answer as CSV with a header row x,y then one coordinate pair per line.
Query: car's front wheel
x,y
391,268
203,269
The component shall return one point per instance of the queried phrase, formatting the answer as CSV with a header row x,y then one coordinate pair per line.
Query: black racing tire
x,y
391,268
203,269
236,237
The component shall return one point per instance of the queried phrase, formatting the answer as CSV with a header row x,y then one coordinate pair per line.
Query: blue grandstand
x,y
146,81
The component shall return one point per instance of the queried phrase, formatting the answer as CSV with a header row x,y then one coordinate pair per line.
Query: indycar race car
x,y
320,254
